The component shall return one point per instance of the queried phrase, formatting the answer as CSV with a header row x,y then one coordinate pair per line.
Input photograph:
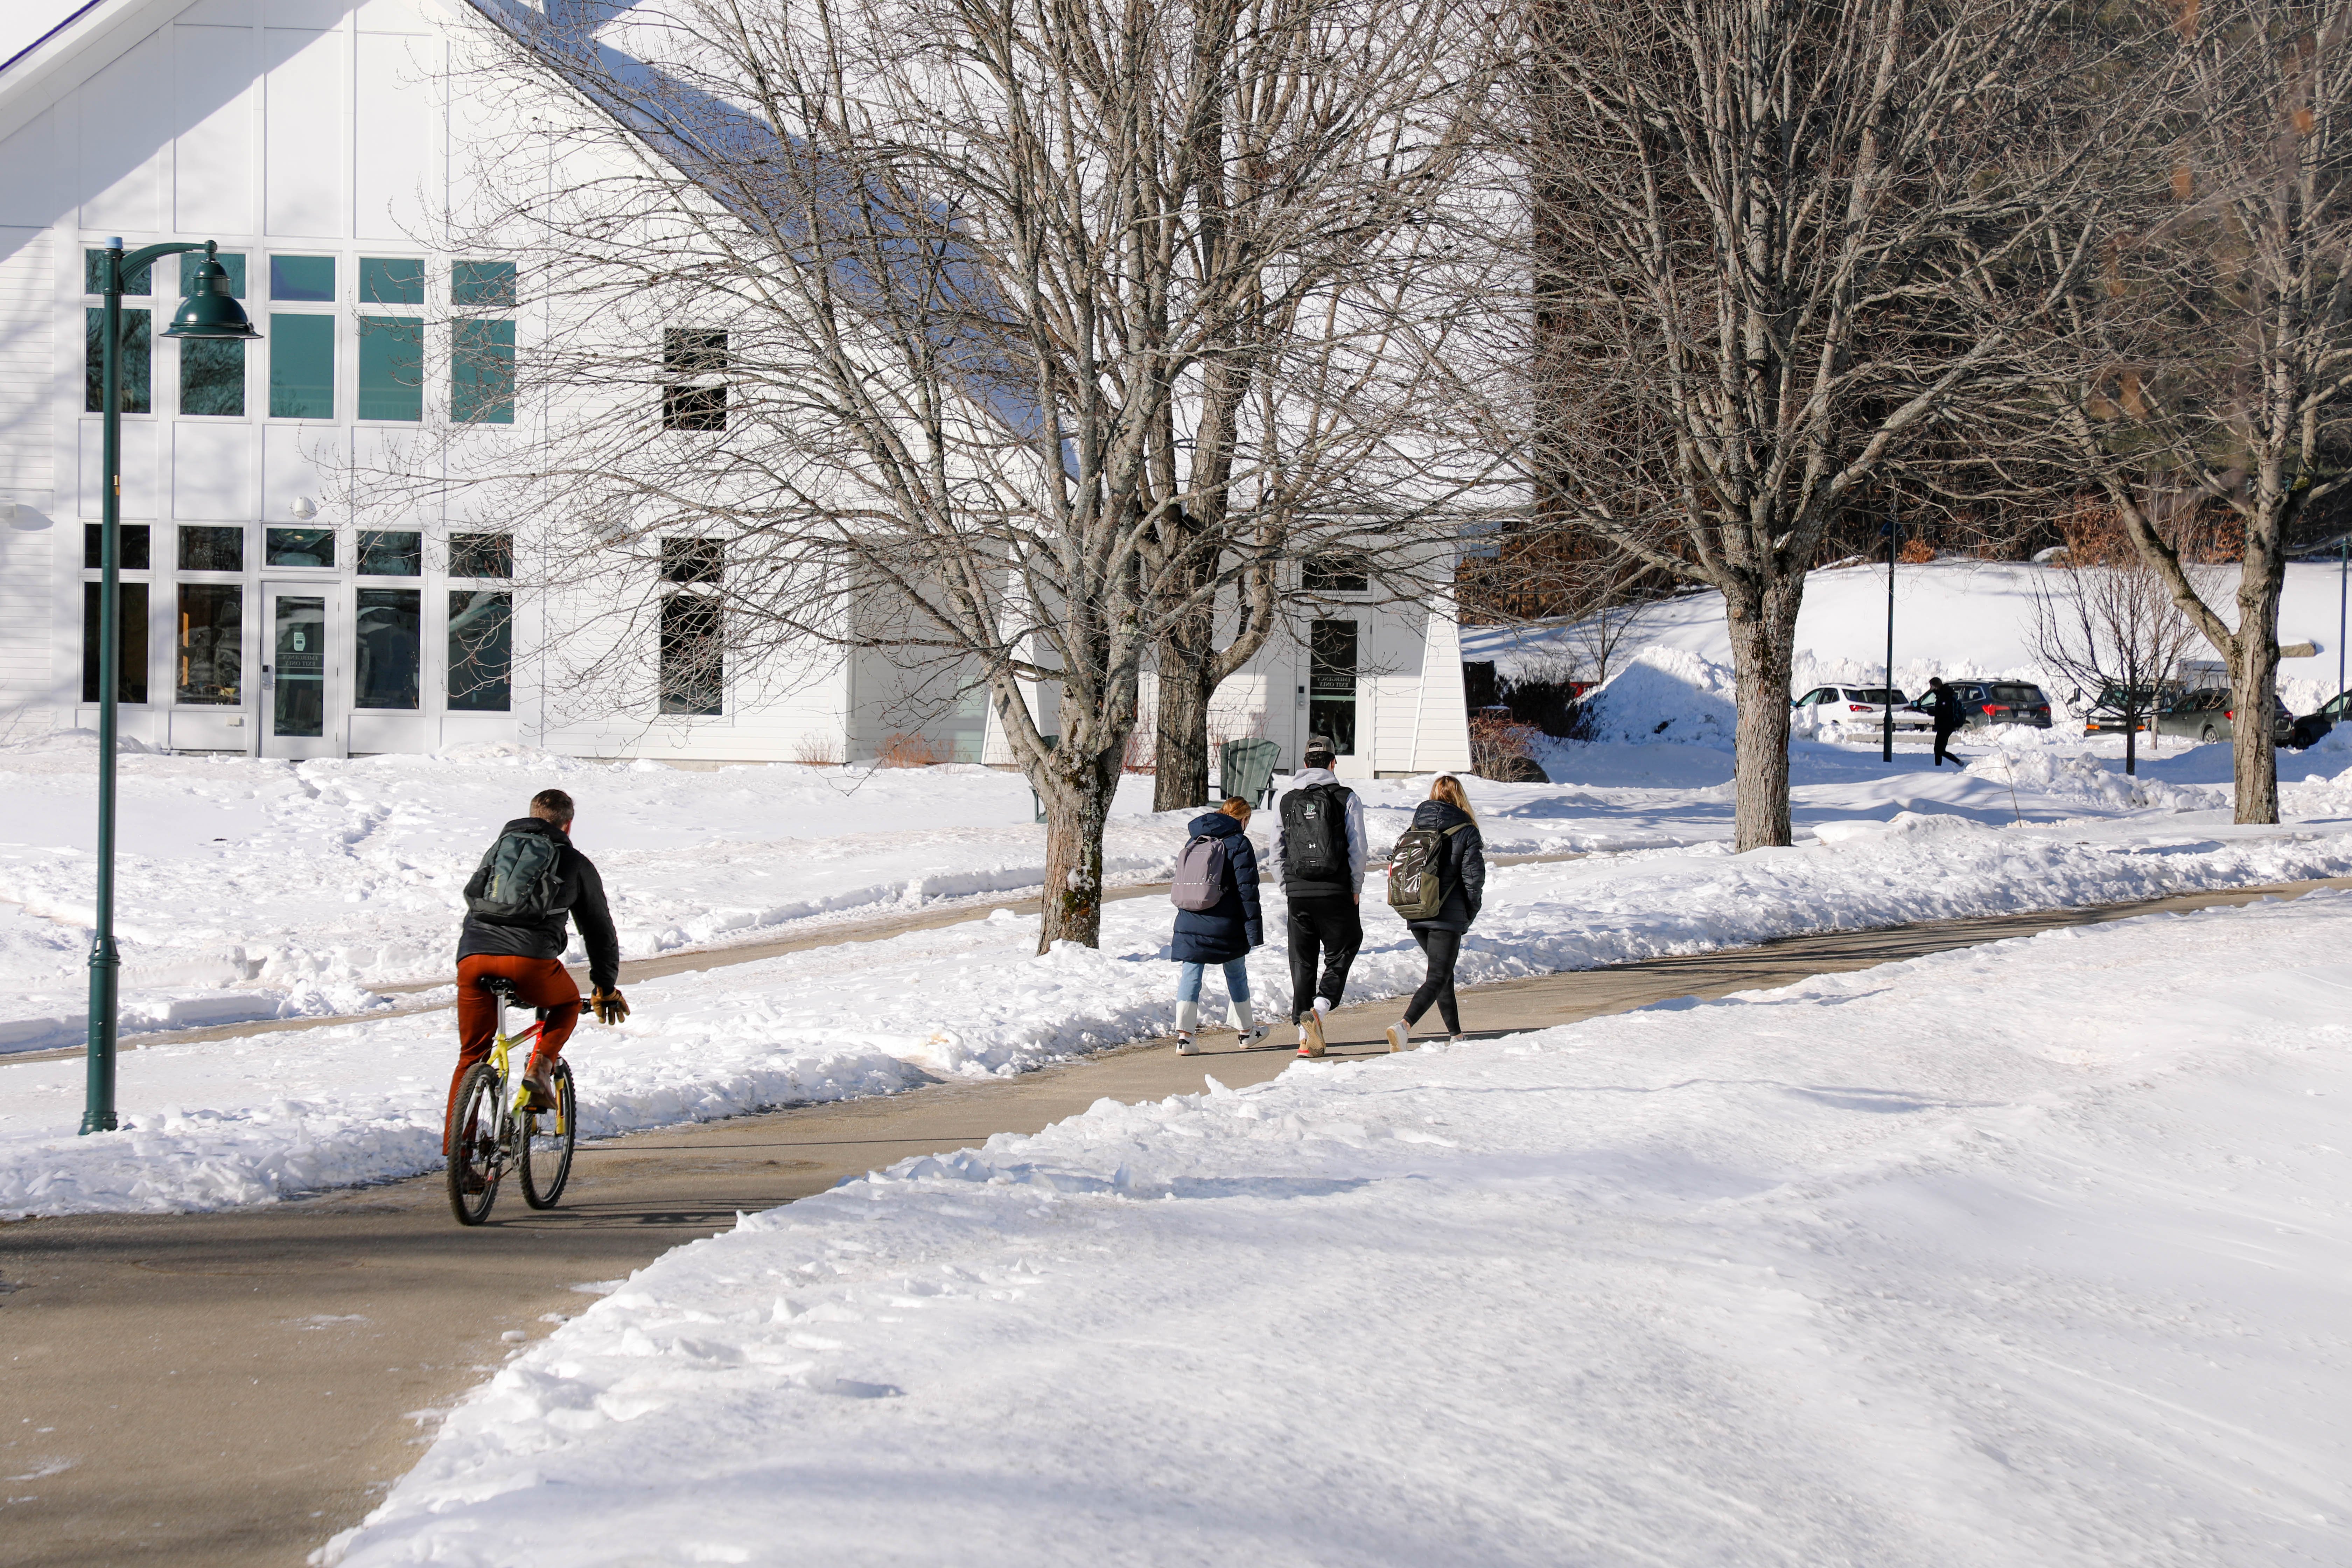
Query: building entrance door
x,y
300,665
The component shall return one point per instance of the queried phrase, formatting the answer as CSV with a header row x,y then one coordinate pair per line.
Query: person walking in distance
x,y
516,906
1217,919
1319,850
1944,705
1437,881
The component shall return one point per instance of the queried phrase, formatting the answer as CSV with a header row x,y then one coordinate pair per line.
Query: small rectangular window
x,y
139,284
391,553
1331,684
212,376
481,555
131,681
209,549
386,638
391,280
1334,574
135,546
298,547
693,665
690,560
302,367
482,284
698,405
481,651
209,657
482,372
232,262
392,367
308,278
137,362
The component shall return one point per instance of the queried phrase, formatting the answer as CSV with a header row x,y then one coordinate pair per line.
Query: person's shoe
x,y
1185,1045
1254,1037
1397,1035
1310,1034
541,1083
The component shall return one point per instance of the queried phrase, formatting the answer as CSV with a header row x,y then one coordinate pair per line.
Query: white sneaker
x,y
1310,1034
1251,1038
1185,1047
1397,1036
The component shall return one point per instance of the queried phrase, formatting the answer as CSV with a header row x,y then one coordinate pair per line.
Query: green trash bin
x,y
1036,800
1245,768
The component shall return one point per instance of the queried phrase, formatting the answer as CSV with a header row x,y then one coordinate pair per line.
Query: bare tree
x,y
2206,365
889,329
2105,620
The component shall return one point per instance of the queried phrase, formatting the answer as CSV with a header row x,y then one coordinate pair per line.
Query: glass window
x,y
302,367
689,560
298,547
481,555
209,657
693,665
232,262
210,549
391,281
298,658
482,372
137,362
693,406
384,555
303,278
212,376
485,285
131,683
392,367
136,557
140,283
481,650
1334,574
386,638
1331,684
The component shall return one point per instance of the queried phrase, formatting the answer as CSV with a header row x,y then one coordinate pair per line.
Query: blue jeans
x,y
1187,980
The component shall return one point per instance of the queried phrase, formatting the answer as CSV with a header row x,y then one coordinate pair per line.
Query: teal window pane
x,y
138,362
386,638
135,545
392,367
385,553
482,372
303,278
232,262
130,641
488,285
391,281
93,277
208,548
481,555
212,375
481,651
302,367
298,546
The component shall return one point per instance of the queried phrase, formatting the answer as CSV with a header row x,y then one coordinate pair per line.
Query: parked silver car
x,y
2209,715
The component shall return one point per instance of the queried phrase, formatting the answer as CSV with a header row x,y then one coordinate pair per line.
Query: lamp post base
x,y
105,975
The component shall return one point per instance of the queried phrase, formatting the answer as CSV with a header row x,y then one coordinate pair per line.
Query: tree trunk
x,y
2253,683
1078,803
1180,755
1763,656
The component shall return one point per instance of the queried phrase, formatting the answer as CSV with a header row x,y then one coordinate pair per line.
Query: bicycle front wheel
x,y
548,1137
476,1153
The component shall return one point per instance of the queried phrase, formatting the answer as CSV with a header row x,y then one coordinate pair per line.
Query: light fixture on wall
x,y
303,506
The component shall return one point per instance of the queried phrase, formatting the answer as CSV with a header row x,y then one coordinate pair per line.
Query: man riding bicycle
x,y
516,905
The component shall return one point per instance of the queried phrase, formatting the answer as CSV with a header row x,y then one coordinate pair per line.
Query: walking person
x,y
1217,920
1320,851
1438,882
1944,705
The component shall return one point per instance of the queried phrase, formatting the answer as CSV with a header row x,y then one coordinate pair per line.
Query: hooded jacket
x,y
1461,866
581,893
1233,927
1299,887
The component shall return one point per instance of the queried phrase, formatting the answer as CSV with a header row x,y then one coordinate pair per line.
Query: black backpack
x,y
518,880
1314,833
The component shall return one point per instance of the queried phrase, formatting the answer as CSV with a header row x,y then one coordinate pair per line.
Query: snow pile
x,y
245,1119
1859,1271
1664,694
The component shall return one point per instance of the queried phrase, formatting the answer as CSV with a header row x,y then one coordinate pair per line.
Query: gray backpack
x,y
518,881
1200,875
1416,872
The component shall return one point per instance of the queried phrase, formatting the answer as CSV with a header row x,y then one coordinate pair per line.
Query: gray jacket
x,y
1306,778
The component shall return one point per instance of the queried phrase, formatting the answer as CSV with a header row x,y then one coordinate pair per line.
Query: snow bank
x,y
1664,694
1863,1271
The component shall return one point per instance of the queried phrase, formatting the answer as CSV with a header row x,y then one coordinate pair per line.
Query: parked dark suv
x,y
1988,702
2311,726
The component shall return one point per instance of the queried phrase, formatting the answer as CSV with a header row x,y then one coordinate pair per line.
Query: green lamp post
x,y
208,312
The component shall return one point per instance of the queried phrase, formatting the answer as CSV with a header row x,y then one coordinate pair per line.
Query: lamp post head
x,y
210,311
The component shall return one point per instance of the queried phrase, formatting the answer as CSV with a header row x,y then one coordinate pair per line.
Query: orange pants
x,y
538,982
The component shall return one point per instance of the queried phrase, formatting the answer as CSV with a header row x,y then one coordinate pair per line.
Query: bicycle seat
x,y
498,985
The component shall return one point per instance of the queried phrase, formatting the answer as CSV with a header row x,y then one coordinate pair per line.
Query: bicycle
x,y
493,1127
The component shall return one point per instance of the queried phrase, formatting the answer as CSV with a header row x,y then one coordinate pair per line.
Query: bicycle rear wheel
x,y
548,1137
476,1148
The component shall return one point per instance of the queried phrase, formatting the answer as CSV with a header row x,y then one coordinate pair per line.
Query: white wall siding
x,y
214,163
27,440
304,140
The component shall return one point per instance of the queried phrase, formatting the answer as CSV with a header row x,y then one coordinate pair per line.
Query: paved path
x,y
231,1389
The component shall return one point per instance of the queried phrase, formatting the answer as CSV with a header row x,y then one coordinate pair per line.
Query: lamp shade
x,y
210,311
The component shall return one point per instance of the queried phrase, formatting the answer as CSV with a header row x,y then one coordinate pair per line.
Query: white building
x,y
310,138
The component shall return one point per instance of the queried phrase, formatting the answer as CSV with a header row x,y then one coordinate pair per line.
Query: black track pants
x,y
1329,927
1943,738
1443,948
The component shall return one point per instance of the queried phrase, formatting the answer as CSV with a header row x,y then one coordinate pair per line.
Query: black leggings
x,y
1443,948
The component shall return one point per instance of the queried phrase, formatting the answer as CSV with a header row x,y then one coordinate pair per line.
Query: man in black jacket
x,y
530,953
1943,705
1320,850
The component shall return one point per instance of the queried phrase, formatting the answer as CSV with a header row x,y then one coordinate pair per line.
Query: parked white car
x,y
1856,707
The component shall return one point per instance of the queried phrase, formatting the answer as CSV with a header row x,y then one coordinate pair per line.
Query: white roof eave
x,y
85,43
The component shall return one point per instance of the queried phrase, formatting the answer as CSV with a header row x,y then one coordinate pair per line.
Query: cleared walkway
x,y
233,1389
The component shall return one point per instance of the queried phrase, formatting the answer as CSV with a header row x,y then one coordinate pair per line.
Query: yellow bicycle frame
x,y
500,1044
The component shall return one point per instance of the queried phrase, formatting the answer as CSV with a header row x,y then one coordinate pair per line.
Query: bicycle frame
x,y
500,1044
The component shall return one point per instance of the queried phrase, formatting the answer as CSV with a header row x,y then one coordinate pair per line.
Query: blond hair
x,y
1449,789
1235,808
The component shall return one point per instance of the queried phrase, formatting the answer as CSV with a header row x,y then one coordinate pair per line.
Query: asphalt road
x,y
234,1388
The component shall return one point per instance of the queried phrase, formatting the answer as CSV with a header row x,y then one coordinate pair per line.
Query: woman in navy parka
x,y
1223,934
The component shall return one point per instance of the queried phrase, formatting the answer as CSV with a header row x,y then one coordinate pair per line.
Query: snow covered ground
x,y
2031,1253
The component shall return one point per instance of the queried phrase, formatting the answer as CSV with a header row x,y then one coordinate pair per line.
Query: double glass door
x,y
301,666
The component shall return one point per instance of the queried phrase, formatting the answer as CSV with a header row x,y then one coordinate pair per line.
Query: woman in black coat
x,y
1223,934
1462,872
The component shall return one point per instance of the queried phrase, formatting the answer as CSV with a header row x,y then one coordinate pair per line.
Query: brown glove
x,y
610,1006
